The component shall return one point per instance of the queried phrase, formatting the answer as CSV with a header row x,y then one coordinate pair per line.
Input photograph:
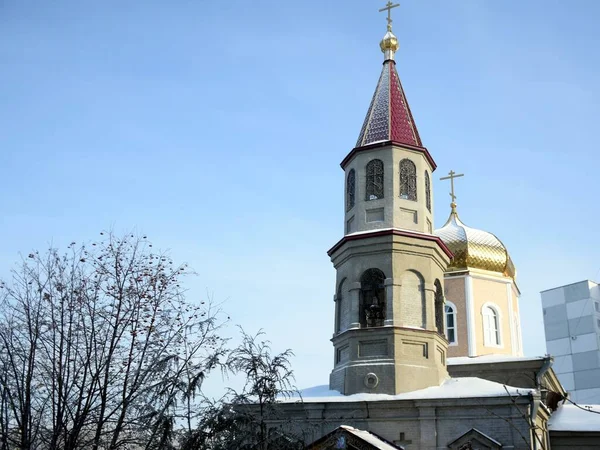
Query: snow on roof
x,y
467,387
490,359
370,438
358,233
571,418
488,437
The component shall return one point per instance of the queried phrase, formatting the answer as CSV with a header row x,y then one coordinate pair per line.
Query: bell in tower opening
x,y
372,298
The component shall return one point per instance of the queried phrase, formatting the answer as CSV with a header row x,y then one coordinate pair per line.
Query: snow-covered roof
x,y
485,359
370,438
467,387
487,437
358,233
571,418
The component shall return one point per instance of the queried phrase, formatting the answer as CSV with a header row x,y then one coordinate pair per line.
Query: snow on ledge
x,y
376,230
571,418
467,387
459,361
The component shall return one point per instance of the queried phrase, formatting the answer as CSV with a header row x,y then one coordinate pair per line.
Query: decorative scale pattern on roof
x,y
389,117
473,248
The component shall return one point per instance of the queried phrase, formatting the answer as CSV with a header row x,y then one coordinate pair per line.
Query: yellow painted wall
x,y
492,291
454,291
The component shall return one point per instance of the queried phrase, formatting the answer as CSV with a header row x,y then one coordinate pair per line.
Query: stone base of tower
x,y
388,360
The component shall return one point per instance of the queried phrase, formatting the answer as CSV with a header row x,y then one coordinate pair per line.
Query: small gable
x,y
349,438
474,440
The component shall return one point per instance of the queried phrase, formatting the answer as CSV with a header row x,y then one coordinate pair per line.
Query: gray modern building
x,y
572,325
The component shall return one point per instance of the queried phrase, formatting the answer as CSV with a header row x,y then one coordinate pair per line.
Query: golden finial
x,y
389,43
451,176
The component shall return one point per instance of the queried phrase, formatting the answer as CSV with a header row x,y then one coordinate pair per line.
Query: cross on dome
x,y
451,176
388,8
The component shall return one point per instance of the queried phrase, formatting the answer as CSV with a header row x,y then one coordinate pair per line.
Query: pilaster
x,y
469,309
354,302
428,428
389,302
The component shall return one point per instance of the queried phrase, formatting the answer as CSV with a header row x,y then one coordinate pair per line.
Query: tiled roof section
x,y
389,117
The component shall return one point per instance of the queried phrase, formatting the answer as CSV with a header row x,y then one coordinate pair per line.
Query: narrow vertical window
x,y
408,180
427,191
439,307
374,180
350,189
341,319
450,313
491,328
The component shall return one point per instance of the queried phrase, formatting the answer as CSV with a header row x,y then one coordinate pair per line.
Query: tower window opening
x,y
450,314
374,185
427,191
491,328
439,307
350,189
408,180
372,298
342,308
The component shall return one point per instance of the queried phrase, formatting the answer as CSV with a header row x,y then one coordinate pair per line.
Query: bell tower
x,y
389,303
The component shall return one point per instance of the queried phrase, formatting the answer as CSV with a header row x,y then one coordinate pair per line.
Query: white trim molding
x,y
511,320
471,342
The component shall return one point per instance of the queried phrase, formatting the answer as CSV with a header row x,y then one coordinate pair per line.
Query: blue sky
x,y
217,128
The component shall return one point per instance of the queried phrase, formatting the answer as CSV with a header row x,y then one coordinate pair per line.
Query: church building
x,y
426,346
481,293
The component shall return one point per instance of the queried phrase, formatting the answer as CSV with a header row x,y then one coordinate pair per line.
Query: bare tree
x,y
250,419
100,349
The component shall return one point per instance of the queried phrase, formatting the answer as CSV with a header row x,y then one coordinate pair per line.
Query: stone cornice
x,y
376,145
391,232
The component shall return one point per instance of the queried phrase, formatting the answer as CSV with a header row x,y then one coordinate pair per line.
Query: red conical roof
x,y
389,117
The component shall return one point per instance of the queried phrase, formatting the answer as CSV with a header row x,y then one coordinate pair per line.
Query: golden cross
x,y
451,176
388,7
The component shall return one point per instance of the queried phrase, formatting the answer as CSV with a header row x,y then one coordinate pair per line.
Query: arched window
x,y
408,180
427,191
450,313
439,307
372,298
374,187
350,189
342,318
491,326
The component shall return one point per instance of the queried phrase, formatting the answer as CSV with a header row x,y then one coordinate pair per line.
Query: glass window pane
x,y
451,337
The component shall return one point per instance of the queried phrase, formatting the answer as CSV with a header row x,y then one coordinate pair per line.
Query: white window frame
x,y
455,328
486,338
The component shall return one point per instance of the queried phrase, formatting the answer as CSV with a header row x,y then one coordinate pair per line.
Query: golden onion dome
x,y
474,248
389,44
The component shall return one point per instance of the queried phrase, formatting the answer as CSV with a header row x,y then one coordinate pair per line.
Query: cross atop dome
x,y
451,176
388,8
